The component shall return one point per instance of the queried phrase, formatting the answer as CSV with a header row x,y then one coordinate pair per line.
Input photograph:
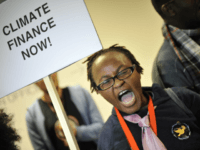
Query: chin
x,y
129,110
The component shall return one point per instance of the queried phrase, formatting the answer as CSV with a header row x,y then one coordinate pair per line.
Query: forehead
x,y
109,63
112,57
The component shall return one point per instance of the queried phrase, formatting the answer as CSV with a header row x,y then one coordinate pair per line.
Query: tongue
x,y
127,97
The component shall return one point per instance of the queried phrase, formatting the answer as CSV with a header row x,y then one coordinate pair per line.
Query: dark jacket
x,y
168,71
167,114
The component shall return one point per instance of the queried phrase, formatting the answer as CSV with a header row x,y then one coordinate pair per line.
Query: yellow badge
x,y
181,131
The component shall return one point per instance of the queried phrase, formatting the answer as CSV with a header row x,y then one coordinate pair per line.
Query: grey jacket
x,y
89,113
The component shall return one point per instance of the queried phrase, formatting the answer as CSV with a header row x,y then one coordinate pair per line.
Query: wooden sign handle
x,y
62,116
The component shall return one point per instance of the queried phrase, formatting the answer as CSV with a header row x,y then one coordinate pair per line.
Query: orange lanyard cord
x,y
152,116
127,131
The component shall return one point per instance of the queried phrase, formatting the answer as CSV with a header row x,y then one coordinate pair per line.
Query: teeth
x,y
128,102
121,93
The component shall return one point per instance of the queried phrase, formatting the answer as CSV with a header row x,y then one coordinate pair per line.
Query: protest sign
x,y
41,37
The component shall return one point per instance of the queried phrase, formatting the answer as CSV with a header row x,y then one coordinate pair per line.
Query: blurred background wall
x,y
131,23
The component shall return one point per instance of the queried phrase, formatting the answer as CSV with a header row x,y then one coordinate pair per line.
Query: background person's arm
x,y
36,140
91,131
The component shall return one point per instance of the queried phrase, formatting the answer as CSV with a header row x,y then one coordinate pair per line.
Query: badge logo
x,y
181,131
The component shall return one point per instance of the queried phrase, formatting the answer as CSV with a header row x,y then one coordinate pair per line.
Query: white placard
x,y
40,37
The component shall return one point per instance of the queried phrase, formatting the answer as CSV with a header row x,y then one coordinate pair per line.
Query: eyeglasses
x,y
106,84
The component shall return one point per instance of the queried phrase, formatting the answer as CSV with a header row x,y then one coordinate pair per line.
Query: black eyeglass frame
x,y
113,78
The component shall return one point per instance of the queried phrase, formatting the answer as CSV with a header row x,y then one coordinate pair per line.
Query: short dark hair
x,y
90,60
8,134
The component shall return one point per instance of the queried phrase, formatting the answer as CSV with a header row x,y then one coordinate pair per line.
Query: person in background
x,y
8,135
178,60
44,128
143,117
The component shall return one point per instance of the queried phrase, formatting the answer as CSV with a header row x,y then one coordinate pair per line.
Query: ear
x,y
168,10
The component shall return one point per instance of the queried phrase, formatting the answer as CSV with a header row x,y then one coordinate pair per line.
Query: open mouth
x,y
126,97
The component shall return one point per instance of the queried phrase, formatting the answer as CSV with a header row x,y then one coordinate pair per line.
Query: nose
x,y
118,83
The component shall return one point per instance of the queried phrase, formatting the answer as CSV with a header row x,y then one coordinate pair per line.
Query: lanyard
x,y
127,131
